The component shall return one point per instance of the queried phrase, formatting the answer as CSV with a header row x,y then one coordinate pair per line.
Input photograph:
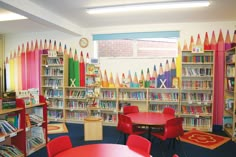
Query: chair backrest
x,y
130,109
125,124
58,145
139,143
169,110
175,155
174,128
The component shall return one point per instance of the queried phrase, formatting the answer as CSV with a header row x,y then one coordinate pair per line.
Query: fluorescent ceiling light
x,y
148,6
9,16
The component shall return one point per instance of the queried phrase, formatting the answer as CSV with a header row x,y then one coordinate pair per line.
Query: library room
x,y
140,78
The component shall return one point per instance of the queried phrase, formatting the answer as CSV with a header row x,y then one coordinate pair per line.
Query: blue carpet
x,y
110,135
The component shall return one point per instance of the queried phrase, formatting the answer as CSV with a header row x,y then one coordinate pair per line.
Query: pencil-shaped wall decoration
x,y
40,62
227,41
37,63
23,68
65,50
179,61
11,65
123,80
28,75
45,47
207,45
105,79
213,41
19,77
71,69
7,79
87,58
111,81
76,70
82,70
60,51
219,83
167,75
191,43
147,81
15,61
161,78
172,71
234,39
129,80
142,80
153,79
32,66
185,47
117,81
135,82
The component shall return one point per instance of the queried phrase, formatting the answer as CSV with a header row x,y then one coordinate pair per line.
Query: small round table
x,y
103,150
150,119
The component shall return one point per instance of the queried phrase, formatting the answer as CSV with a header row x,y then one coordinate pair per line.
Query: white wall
x,y
123,65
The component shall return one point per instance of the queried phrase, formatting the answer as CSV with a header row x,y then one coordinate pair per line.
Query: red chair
x,y
139,143
126,127
58,145
169,110
172,130
175,155
130,109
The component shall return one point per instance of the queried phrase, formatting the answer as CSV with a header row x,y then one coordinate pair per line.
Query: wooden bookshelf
x,y
54,77
197,90
229,94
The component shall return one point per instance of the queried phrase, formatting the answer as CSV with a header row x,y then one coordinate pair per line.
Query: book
x,y
27,120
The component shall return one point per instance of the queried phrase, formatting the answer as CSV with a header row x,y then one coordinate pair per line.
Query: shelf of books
x,y
133,96
229,94
75,104
12,130
159,98
108,105
54,69
92,83
36,126
197,90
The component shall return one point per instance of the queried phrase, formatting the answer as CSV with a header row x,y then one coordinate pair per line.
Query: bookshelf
x,y
92,83
75,104
229,94
133,96
54,72
160,98
12,138
108,105
197,90
36,126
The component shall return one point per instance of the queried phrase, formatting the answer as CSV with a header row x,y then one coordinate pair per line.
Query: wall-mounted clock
x,y
83,42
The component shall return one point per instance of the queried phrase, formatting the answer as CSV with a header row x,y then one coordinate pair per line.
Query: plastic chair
x,y
172,130
169,110
175,155
130,109
126,127
139,143
58,145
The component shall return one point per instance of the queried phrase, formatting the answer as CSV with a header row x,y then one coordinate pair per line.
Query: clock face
x,y
83,42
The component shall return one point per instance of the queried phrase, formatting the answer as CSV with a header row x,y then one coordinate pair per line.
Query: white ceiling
x,y
70,16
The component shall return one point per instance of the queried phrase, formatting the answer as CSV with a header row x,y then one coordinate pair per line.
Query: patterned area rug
x,y
57,128
203,139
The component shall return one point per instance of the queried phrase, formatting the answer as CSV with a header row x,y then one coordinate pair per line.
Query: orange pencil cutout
x,y
117,81
111,81
191,44
105,79
234,40
207,46
227,41
100,76
185,48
